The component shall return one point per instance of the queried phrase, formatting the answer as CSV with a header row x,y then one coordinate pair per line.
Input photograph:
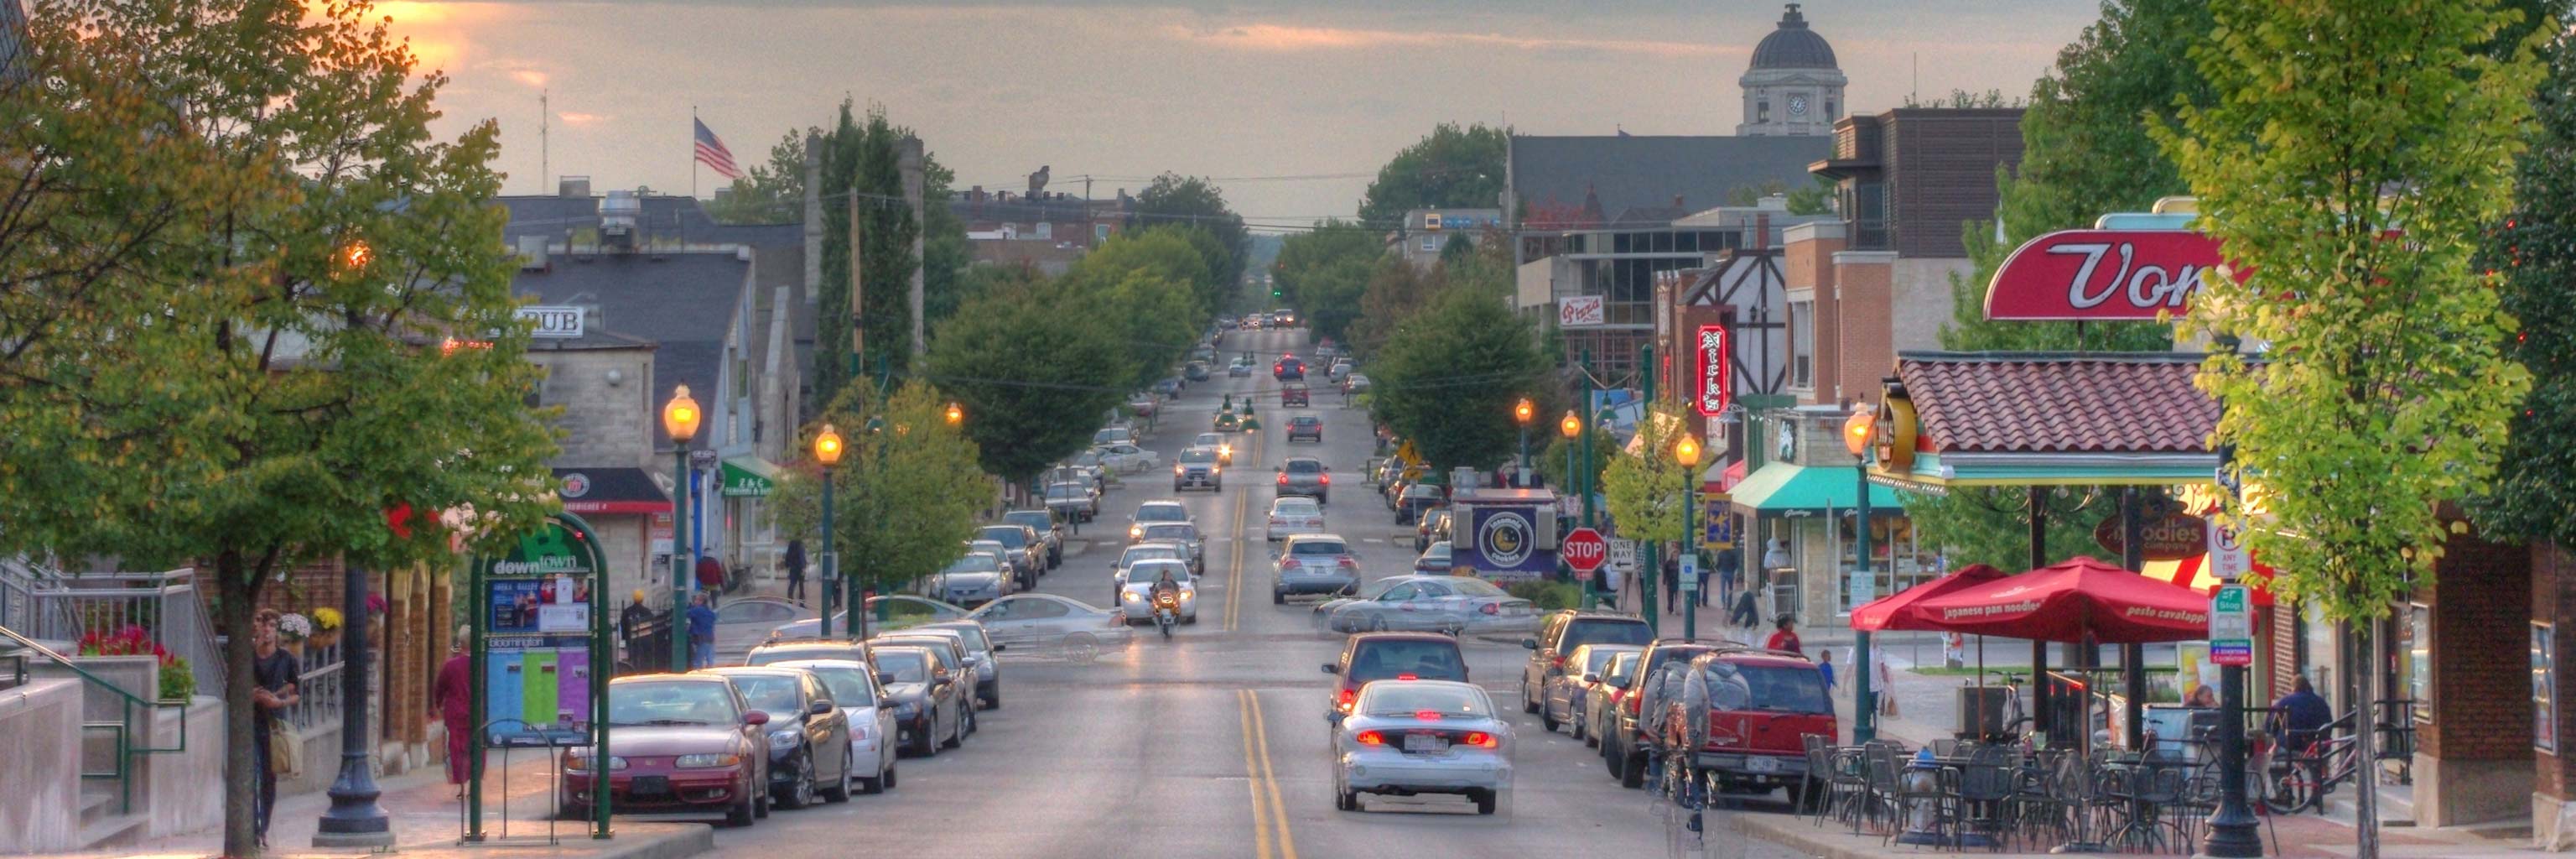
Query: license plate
x,y
1425,743
649,786
1762,764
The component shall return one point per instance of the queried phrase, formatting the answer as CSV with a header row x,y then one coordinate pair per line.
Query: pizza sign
x,y
1709,353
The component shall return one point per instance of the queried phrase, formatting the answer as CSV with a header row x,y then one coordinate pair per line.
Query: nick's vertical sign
x,y
1710,392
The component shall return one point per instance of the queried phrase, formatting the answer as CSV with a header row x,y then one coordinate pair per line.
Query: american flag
x,y
712,152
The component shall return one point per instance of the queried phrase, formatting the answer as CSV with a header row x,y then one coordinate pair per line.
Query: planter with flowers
x,y
293,630
326,627
170,680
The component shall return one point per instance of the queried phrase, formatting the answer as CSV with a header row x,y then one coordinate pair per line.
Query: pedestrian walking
x,y
1728,563
711,577
1747,612
1672,585
274,673
630,623
451,696
795,561
1703,571
1784,635
1825,664
702,632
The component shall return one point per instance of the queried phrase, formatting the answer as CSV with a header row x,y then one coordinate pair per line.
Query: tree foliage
x,y
1034,369
1552,463
1449,379
1192,201
1395,290
1449,168
1643,492
770,192
861,164
904,498
201,366
2385,392
1323,272
2535,254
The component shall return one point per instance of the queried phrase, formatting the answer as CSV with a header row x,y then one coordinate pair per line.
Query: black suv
x,y
1563,631
1393,656
1308,427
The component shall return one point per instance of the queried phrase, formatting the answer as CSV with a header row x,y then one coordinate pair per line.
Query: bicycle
x,y
2307,766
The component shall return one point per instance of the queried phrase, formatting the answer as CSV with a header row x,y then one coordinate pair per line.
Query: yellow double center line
x,y
1268,813
1234,584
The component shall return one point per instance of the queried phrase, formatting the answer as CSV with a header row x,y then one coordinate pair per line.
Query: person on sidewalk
x,y
630,624
711,577
273,674
1673,584
1747,613
1729,569
1777,556
454,710
1825,664
702,632
1784,635
795,561
1702,571
2299,718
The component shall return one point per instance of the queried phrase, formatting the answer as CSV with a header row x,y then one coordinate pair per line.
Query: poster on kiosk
x,y
537,629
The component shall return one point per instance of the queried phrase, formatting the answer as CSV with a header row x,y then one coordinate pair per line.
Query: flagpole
x,y
693,152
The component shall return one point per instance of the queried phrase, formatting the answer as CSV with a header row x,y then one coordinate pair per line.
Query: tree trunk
x,y
2365,723
234,605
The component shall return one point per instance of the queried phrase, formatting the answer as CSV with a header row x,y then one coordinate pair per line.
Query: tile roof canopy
x,y
2055,402
1645,171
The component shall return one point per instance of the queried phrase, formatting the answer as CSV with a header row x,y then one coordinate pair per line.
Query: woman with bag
x,y
455,708
273,676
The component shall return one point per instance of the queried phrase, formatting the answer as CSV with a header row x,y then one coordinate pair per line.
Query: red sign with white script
x,y
1709,353
2089,275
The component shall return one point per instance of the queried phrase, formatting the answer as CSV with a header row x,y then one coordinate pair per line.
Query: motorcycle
x,y
1167,610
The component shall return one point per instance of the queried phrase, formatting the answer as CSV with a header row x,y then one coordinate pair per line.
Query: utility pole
x,y
908,158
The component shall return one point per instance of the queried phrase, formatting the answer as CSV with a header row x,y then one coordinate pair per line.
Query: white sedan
x,y
1414,737
1292,515
1126,458
1136,596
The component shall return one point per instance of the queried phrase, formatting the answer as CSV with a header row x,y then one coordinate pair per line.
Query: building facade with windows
x,y
1426,233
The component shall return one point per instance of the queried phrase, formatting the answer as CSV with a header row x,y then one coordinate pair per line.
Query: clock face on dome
x,y
1797,105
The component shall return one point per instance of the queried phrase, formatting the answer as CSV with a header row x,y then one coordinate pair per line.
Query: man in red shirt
x,y
1786,636
711,577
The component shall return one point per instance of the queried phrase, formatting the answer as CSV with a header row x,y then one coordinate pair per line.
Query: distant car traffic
x,y
1239,369
1137,554
1294,514
1305,475
1288,368
1224,449
1434,559
1307,427
1184,533
1314,564
1198,468
1294,394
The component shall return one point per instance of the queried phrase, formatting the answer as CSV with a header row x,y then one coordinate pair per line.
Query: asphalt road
x,y
1214,744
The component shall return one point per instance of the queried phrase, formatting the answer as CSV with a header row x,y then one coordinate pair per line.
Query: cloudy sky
x,y
1292,105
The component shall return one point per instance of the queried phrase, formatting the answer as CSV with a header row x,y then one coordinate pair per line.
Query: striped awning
x,y
2193,573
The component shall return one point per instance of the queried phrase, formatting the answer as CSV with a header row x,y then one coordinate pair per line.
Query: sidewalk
x,y
427,820
2295,837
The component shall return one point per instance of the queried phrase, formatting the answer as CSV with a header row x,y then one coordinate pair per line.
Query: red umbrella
x,y
2066,601
1896,611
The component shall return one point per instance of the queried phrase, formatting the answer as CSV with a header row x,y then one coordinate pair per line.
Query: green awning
x,y
748,477
1779,487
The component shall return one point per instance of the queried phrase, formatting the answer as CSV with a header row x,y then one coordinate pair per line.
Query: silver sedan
x,y
1452,604
1049,624
1414,737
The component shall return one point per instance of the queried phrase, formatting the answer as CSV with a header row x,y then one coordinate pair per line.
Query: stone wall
x,y
606,396
42,769
173,787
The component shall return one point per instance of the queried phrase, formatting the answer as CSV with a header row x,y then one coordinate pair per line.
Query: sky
x,y
1292,106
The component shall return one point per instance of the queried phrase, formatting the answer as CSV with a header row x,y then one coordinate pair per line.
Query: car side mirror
x,y
822,707
1617,682
1591,678
1329,669
755,718
885,679
1530,643
1000,647
1334,718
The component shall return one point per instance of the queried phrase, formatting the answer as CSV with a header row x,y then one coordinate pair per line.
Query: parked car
x,y
1434,559
1126,458
684,743
1306,475
1195,372
1113,435
1416,498
1291,515
1028,550
972,580
1047,526
980,650
1414,737
1388,656
806,650
1308,427
1355,383
808,738
1761,707
1168,387
1601,699
1073,500
1136,595
888,611
1226,421
925,695
1559,634
1433,527
1623,747
1314,564
1046,623
1287,368
1293,394
855,690
951,648
1561,699
1454,605
1183,533
1198,467
1340,370
742,623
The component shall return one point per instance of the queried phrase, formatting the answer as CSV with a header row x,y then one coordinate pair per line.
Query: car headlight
x,y
1185,595
784,739
1133,596
701,762
1176,470
863,730
906,709
580,760
1134,531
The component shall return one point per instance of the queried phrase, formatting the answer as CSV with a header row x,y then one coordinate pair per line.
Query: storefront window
x,y
2419,659
2544,688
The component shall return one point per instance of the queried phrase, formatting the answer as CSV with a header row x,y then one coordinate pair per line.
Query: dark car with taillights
x,y
682,743
808,737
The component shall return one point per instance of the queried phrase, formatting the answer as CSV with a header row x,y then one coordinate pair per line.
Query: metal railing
x,y
53,605
122,731
319,696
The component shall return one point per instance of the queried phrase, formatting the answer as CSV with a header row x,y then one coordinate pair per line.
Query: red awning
x,y
2193,573
2067,602
1877,614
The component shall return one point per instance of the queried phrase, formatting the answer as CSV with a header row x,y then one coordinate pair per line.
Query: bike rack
x,y
466,834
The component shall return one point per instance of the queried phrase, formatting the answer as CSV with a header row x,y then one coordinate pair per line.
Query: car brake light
x,y
1347,696
1327,480
1408,677
1427,715
1479,739
1290,562
1283,479
1490,608
1370,738
1347,562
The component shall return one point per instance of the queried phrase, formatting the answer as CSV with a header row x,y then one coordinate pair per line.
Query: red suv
x,y
1293,394
1762,705
1393,656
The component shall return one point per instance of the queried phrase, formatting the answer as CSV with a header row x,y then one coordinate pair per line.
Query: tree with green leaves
x,y
1448,379
905,496
1193,201
771,192
2534,253
1395,290
1552,463
861,164
1322,273
2384,392
1450,168
1643,492
237,258
1034,369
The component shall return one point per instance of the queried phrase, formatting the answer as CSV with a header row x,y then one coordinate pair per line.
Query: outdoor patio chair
x,y
1879,787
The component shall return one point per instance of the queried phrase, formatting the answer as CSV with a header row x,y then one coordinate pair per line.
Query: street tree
x,y
1035,371
769,192
862,169
2534,254
1395,290
1552,463
904,496
251,307
1643,491
1323,272
1448,379
1176,200
1450,168
2350,187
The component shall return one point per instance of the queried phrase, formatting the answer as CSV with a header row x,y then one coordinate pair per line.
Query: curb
x,y
1796,834
675,841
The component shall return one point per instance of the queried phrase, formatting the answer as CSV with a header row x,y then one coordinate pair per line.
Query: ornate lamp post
x,y
1522,412
1858,430
680,419
354,819
1686,452
827,450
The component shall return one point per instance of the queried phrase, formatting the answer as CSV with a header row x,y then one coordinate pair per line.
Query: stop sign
x,y
1584,550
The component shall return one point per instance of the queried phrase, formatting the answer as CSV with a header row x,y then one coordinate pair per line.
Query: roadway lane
x,y
1214,743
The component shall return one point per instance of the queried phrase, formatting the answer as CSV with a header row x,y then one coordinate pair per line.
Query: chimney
x,y
532,254
573,187
1677,201
1761,231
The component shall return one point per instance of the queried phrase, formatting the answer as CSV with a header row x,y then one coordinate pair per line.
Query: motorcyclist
x,y
1163,584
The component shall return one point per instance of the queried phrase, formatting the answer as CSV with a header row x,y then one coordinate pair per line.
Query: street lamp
x,y
956,415
1686,452
1521,413
354,819
827,451
680,419
1858,430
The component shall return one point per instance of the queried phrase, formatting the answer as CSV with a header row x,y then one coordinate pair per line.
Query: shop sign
x,y
1711,391
2090,275
1580,311
2169,538
742,482
554,322
2231,626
